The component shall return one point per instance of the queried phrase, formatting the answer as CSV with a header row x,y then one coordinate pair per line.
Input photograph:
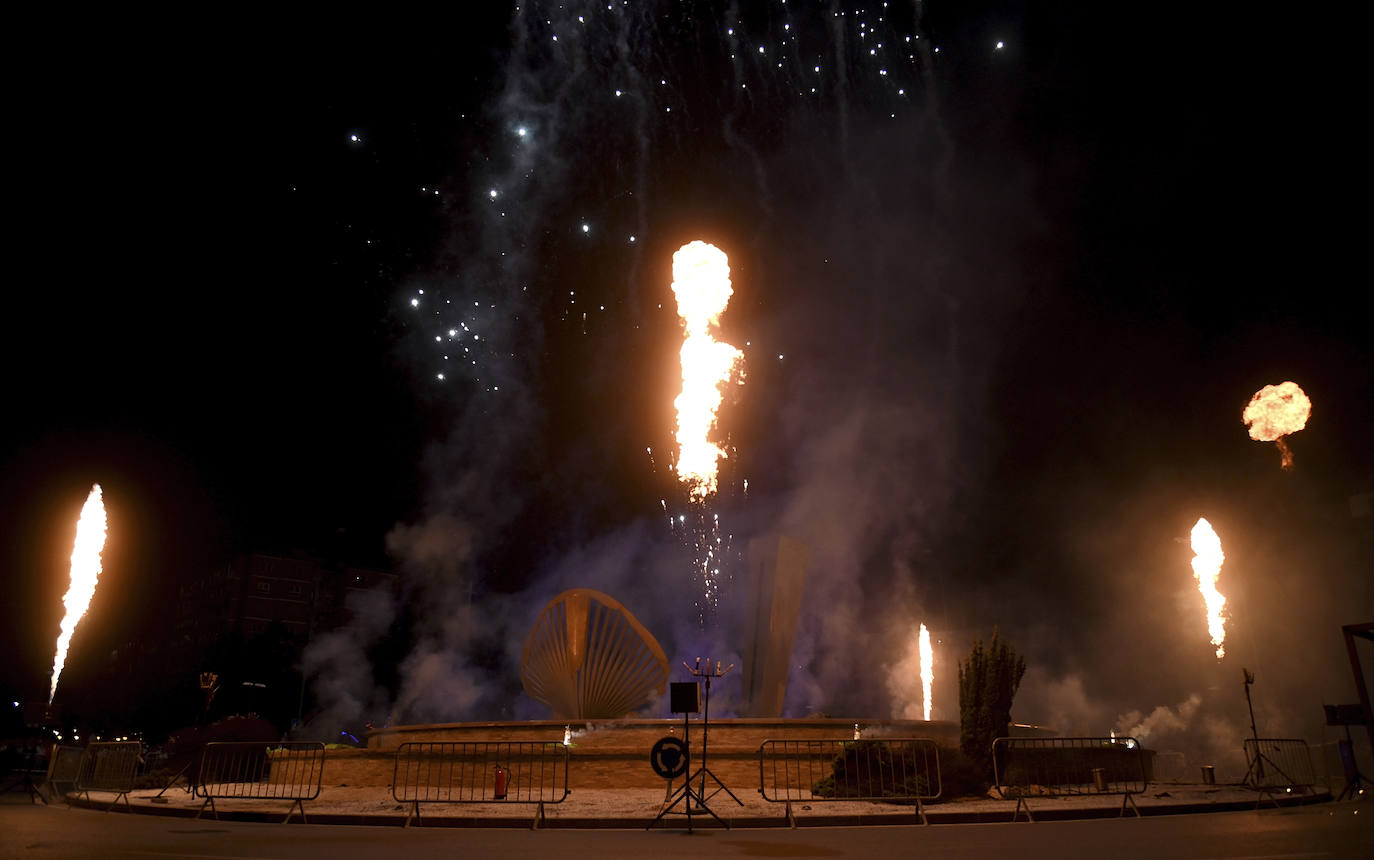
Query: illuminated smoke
x,y
1277,411
85,572
1207,561
701,284
927,671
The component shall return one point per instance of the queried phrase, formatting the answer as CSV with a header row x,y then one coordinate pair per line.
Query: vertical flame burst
x,y
927,671
85,572
1276,411
701,284
1207,561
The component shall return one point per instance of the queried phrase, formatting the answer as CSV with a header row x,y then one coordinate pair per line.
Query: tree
x,y
987,685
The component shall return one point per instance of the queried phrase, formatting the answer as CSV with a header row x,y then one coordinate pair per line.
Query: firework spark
x,y
85,572
1207,561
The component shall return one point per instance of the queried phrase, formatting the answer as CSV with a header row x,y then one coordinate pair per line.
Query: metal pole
x,y
705,730
1364,631
1254,733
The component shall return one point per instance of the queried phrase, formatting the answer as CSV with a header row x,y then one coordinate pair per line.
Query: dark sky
x,y
1003,308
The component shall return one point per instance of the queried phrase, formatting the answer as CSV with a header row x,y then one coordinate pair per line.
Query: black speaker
x,y
684,697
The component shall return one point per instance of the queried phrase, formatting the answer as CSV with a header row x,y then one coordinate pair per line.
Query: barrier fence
x,y
64,766
253,770
1278,765
829,769
109,766
1062,767
480,772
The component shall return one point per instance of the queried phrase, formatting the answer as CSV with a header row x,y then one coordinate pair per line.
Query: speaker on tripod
x,y
685,698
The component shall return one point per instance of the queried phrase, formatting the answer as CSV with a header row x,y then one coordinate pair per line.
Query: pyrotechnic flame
x,y
85,572
701,283
1207,561
1276,411
927,670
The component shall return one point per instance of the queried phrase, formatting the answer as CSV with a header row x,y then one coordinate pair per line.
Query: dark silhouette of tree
x,y
987,685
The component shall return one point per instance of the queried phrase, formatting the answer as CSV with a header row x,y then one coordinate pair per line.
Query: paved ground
x,y
637,808
1327,830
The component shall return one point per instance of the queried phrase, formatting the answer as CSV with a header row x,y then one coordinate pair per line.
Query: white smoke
x,y
339,668
1161,721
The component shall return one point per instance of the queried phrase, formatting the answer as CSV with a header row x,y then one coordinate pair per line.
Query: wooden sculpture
x,y
587,657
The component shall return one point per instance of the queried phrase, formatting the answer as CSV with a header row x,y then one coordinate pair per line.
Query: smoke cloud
x,y
339,667
939,399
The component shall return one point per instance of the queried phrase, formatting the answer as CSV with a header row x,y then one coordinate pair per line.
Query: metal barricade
x,y
1278,765
1064,767
64,766
480,772
830,769
253,770
109,766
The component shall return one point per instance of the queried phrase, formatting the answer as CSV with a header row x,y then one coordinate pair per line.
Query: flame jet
x,y
1276,411
701,284
1207,561
927,671
85,572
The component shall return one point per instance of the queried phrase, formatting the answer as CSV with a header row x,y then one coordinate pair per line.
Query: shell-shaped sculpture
x,y
587,657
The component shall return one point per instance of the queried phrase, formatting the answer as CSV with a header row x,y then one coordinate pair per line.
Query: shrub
x,y
960,776
871,768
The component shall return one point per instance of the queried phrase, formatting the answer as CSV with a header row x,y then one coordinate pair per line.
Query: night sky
x,y
1005,277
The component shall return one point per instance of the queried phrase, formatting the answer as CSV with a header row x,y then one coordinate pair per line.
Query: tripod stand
x,y
1254,774
1354,784
687,794
24,780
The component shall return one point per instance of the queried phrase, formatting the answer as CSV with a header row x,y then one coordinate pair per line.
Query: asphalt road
x,y
1325,830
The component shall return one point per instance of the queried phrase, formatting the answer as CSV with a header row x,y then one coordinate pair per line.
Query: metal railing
x,y
1063,767
1278,765
109,766
830,769
480,772
253,770
64,766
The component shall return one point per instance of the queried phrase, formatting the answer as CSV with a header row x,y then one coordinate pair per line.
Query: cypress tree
x,y
987,685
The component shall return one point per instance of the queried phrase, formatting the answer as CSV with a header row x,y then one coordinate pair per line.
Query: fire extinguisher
x,y
500,793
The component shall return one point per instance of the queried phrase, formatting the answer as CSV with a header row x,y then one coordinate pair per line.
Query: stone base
x,y
612,754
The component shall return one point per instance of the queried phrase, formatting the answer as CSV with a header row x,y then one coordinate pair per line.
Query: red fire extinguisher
x,y
500,793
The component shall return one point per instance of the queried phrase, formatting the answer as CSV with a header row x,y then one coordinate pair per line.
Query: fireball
x,y
701,284
1277,411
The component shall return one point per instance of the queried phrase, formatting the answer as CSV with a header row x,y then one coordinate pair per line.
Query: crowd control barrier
x,y
253,770
830,769
1063,767
109,766
64,766
480,772
1278,765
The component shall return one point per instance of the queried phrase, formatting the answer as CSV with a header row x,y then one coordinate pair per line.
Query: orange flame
x,y
85,572
1207,561
1276,411
701,283
927,670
